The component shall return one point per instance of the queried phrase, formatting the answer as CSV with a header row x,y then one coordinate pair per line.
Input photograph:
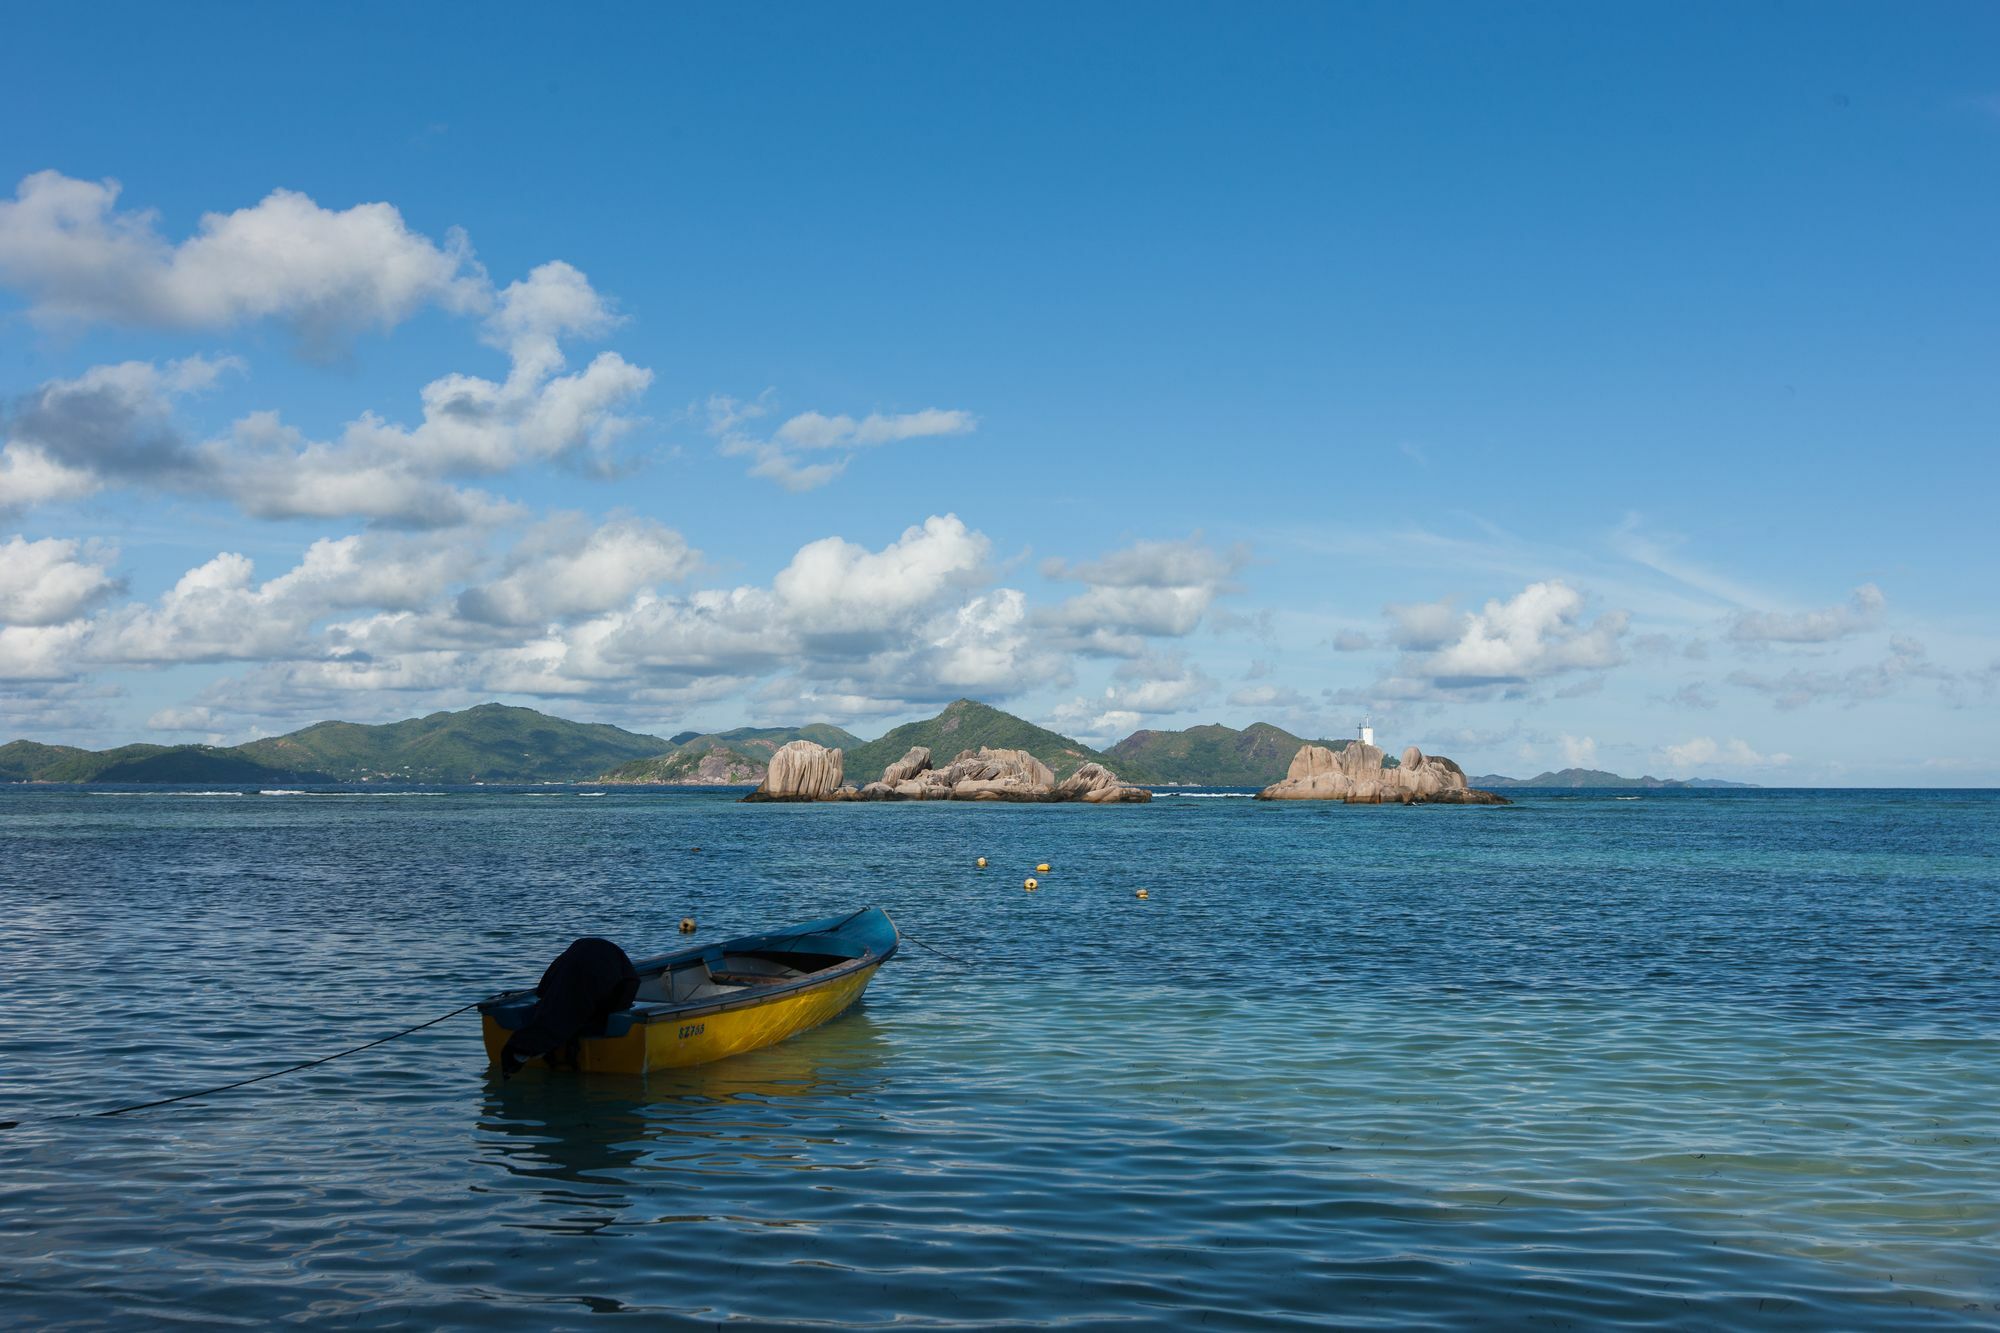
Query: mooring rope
x,y
245,1082
962,962
356,1050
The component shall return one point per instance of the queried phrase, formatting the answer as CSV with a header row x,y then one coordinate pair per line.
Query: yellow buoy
x,y
1042,869
982,863
1029,884
687,925
1140,894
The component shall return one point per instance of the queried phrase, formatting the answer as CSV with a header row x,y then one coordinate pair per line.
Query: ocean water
x,y
1689,1060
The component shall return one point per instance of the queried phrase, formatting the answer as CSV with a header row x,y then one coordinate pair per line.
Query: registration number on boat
x,y
691,1030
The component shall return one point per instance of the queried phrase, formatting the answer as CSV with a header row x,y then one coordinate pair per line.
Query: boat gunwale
x,y
751,997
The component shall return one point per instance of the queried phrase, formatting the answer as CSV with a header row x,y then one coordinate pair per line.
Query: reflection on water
x,y
592,1146
1692,1060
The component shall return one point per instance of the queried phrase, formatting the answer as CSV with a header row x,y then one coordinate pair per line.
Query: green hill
x,y
762,742
693,766
490,743
27,761
1213,756
966,725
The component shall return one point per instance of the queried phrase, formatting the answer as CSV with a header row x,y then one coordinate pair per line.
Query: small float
x,y
709,1002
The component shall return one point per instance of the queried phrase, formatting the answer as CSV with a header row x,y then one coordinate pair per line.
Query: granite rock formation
x,y
800,771
1356,775
973,775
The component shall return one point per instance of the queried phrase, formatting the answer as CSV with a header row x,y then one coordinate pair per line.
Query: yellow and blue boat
x,y
709,1002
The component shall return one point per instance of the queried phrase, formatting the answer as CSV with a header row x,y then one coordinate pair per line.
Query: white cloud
x,y
1733,753
1157,684
569,566
1151,589
781,457
1496,652
470,426
813,430
1579,751
1537,632
1861,611
113,423
857,631
1422,626
81,260
1268,696
216,612
833,586
54,581
1092,723
30,477
576,611
1351,641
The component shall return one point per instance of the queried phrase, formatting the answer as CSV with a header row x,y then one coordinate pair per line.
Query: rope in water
x,y
337,1055
904,934
246,1082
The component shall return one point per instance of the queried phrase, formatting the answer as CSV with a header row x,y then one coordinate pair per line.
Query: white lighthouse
x,y
1367,731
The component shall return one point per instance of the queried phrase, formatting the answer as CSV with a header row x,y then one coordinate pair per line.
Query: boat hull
x,y
675,1041
717,1024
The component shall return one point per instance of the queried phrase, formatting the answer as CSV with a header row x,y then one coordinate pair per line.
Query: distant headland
x,y
499,743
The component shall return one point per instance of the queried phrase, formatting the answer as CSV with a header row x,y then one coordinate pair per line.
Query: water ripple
x,y
1690,1060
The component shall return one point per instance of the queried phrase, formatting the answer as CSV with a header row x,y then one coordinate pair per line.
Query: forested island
x,y
499,743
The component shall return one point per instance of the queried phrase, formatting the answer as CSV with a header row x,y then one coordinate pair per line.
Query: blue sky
x,y
1554,384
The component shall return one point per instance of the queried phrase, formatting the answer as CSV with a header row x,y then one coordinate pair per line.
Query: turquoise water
x,y
1695,1059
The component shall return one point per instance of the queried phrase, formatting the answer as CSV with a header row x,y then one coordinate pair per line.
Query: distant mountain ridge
x,y
29,761
763,742
967,725
1212,755
692,766
489,743
1597,777
501,743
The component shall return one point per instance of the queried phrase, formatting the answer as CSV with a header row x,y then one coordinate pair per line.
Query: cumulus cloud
x,y
114,425
71,437
51,707
1733,753
782,456
80,260
1158,684
470,426
569,566
1422,626
1499,650
40,652
1578,751
54,581
379,622
1151,589
1089,721
1352,641
1537,632
218,612
1148,686
1861,611
576,612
